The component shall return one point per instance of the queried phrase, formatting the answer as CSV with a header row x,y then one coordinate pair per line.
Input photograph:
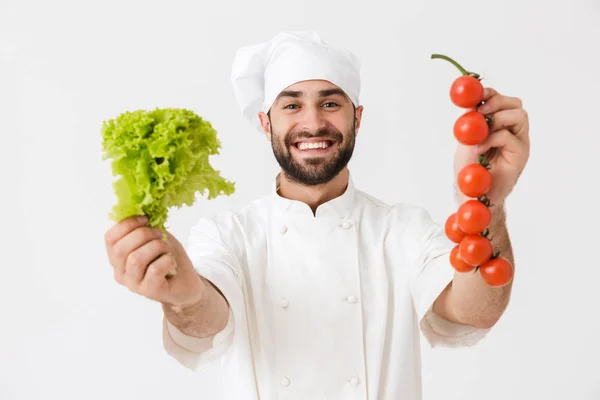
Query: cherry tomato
x,y
497,272
466,92
471,128
475,250
473,217
474,180
458,262
452,230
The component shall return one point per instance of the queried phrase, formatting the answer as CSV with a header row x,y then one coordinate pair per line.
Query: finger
x,y
500,139
515,120
118,275
121,250
155,277
489,92
139,260
122,228
498,102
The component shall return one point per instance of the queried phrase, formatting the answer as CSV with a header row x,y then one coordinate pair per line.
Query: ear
x,y
266,124
358,118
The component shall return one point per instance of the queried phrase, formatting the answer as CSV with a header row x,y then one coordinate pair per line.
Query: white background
x,y
68,331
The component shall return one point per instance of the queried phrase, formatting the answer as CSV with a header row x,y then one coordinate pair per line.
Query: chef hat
x,y
260,72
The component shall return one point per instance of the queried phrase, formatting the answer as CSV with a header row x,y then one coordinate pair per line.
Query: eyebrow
x,y
322,93
331,92
290,93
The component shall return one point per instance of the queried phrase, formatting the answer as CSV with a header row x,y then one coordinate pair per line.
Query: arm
x,y
197,325
200,330
468,299
203,318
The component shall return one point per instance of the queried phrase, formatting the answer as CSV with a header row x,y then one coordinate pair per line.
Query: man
x,y
319,291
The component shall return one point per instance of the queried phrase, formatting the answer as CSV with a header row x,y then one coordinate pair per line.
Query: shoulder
x,y
221,235
398,219
399,212
229,223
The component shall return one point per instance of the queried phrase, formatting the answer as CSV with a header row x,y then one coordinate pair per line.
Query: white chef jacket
x,y
322,306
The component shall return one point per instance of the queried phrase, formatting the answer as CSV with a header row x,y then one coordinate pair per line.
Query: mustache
x,y
325,133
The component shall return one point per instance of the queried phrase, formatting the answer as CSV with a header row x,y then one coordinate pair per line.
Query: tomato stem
x,y
483,161
484,199
457,65
489,120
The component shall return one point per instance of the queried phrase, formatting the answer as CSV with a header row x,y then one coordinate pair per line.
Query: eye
x,y
330,104
290,106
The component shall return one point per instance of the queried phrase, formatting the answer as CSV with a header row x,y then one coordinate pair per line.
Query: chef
x,y
318,290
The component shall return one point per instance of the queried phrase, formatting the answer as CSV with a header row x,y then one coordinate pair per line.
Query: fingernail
x,y
142,219
484,108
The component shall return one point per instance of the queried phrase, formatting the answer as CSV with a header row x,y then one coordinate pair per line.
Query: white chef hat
x,y
260,72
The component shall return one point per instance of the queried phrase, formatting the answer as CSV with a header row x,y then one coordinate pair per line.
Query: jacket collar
x,y
340,206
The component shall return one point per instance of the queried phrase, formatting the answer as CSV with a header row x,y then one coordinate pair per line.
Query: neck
x,y
316,195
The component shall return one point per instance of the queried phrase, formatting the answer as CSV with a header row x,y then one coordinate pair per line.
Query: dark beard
x,y
313,171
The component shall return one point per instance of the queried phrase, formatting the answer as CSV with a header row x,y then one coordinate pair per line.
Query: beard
x,y
316,170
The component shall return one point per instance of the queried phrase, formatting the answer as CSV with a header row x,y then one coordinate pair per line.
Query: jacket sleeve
x,y
216,258
430,274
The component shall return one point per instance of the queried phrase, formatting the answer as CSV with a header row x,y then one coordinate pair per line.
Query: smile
x,y
320,145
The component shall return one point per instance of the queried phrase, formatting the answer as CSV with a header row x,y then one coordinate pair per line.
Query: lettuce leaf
x,y
162,160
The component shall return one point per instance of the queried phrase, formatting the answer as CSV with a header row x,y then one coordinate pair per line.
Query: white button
x,y
354,381
285,382
346,224
283,229
285,303
351,299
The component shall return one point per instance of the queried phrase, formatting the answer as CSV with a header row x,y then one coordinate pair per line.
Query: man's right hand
x,y
141,260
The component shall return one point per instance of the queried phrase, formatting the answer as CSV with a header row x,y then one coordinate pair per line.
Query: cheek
x,y
343,122
281,136
281,123
279,139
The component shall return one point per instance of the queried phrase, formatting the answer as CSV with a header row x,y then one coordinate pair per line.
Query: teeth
x,y
315,145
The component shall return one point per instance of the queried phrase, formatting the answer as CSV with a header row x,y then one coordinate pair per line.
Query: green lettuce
x,y
162,160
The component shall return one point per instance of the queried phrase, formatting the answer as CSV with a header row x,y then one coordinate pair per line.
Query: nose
x,y
313,119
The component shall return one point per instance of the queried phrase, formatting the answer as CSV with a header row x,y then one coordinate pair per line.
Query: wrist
x,y
498,211
197,297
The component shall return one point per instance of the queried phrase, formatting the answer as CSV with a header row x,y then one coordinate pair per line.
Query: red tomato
x,y
452,230
466,92
458,262
471,128
475,250
474,180
473,217
497,272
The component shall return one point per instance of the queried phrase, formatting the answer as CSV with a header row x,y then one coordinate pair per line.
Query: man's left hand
x,y
507,146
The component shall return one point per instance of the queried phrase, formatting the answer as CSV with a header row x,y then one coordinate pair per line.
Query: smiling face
x,y
312,127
